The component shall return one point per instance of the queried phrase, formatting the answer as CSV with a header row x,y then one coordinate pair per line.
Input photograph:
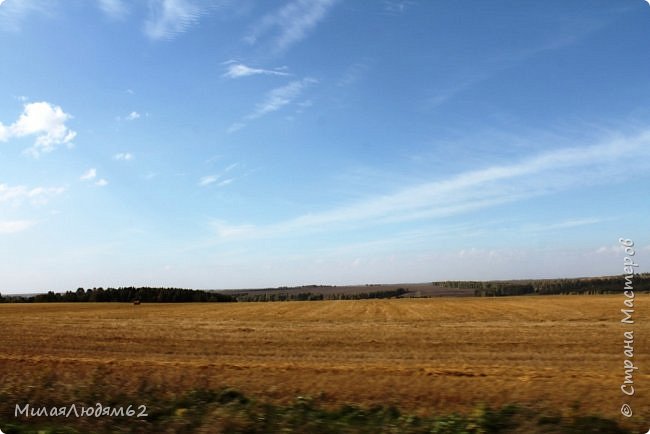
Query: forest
x,y
128,294
585,285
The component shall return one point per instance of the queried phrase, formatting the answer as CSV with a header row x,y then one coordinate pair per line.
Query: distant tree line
x,y
310,296
178,295
129,294
591,285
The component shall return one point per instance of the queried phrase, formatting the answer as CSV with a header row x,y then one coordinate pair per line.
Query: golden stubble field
x,y
444,354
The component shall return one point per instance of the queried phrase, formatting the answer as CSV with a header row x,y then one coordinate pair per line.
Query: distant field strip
x,y
443,354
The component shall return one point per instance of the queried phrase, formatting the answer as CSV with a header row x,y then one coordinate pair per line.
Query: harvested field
x,y
422,355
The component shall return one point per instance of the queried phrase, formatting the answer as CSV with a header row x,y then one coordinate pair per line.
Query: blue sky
x,y
228,144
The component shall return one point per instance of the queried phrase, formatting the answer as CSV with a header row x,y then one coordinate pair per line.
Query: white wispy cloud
x,y
45,121
237,70
211,179
9,193
609,250
132,116
114,9
235,127
123,156
280,97
207,180
14,226
225,230
567,224
274,100
230,167
494,63
473,190
89,174
15,195
290,24
168,18
354,72
13,13
396,7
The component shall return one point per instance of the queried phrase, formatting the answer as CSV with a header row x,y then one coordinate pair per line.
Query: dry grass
x,y
446,354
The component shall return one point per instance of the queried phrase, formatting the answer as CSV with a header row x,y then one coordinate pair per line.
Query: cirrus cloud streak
x,y
469,191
